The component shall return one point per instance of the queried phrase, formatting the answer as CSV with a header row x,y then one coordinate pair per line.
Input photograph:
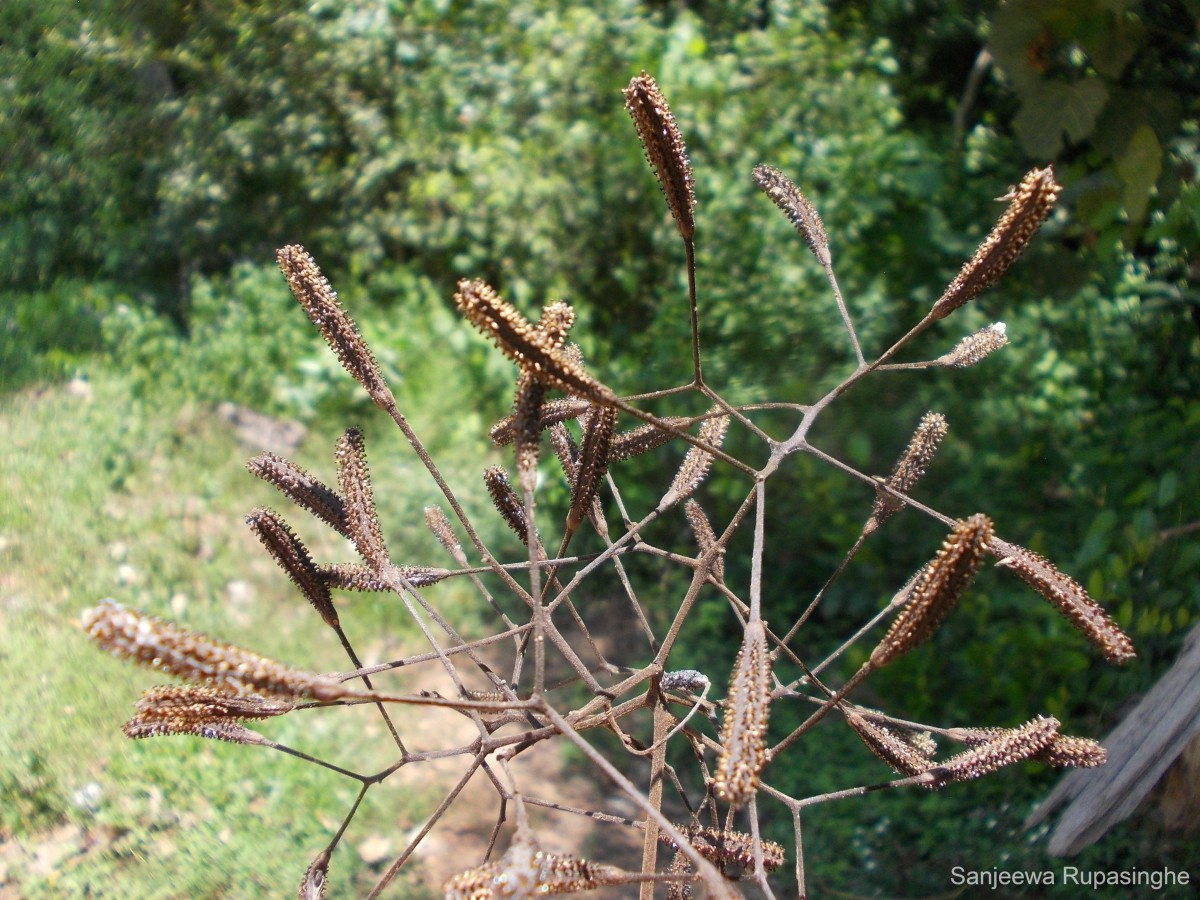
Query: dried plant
x,y
502,676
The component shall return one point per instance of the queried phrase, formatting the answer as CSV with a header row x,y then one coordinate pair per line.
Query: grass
x,y
106,495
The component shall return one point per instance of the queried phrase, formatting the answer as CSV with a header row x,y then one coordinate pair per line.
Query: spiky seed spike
x,y
526,870
694,468
747,709
593,463
215,729
506,501
353,577
1013,746
665,151
643,439
1069,598
528,347
199,659
439,524
556,321
976,347
292,556
321,304
898,753
909,468
316,879
937,589
204,704
802,214
527,426
552,412
1064,751
731,848
354,478
1030,203
566,450
705,536
302,489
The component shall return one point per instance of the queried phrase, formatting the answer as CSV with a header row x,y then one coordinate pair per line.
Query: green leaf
x,y
1138,168
1055,112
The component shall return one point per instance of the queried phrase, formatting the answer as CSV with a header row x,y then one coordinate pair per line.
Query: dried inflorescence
x,y
747,709
937,589
665,151
799,211
1030,203
909,468
1069,598
976,347
232,685
199,659
1012,746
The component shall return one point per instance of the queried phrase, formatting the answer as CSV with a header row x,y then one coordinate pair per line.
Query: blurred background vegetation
x,y
155,154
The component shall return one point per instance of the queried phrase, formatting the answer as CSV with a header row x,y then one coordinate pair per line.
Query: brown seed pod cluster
x,y
1030,203
665,150
354,478
302,489
1069,598
744,729
799,211
909,468
1012,746
199,659
321,304
292,556
937,589
891,747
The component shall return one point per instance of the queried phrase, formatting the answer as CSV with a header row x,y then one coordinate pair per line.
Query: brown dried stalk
x,y
1068,597
747,709
199,659
802,214
1030,203
321,304
665,151
937,589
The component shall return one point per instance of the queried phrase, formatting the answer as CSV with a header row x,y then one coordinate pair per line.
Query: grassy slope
x,y
103,497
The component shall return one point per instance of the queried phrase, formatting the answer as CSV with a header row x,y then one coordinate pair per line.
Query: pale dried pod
x,y
799,211
439,523
744,728
316,879
355,577
1012,746
976,347
696,464
909,468
1064,751
706,537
